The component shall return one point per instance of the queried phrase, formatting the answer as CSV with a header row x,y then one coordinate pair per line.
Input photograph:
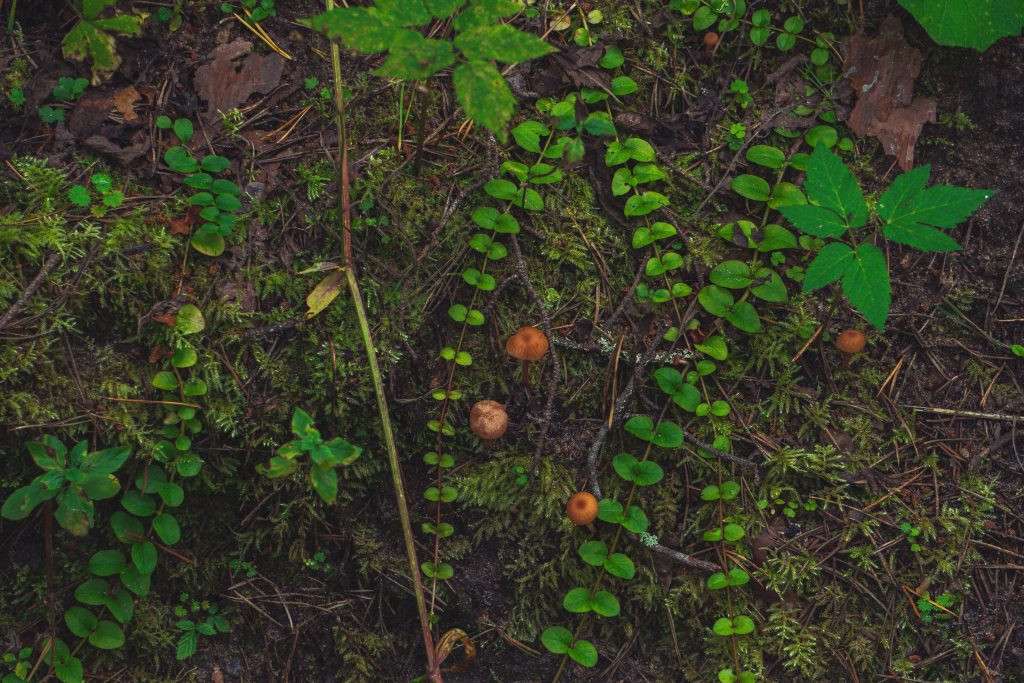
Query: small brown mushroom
x,y
528,344
488,420
710,43
582,509
850,342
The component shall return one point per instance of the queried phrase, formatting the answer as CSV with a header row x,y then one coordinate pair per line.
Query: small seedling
x,y
75,477
80,196
912,533
937,607
324,456
93,36
319,563
907,213
197,619
217,197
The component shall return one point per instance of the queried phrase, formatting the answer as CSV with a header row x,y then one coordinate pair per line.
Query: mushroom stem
x,y
526,373
591,529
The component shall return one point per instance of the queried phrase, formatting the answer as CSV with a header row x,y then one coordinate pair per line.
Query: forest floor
x,y
880,500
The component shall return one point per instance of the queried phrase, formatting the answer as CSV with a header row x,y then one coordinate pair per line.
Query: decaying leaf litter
x,y
911,525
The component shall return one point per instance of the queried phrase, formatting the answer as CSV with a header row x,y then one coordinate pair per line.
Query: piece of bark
x,y
225,83
882,71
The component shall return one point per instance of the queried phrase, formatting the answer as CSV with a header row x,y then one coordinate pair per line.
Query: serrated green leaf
x,y
832,185
866,284
502,43
484,94
828,266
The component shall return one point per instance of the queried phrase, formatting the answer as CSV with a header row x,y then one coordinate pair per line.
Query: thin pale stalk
x,y
433,670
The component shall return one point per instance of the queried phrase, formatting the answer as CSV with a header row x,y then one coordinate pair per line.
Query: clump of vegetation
x,y
611,416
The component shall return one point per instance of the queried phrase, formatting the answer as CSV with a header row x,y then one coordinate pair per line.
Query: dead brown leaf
x,y
882,71
124,102
228,81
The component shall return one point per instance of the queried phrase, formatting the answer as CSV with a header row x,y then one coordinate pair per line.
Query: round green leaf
x,y
557,639
107,563
80,621
107,636
752,187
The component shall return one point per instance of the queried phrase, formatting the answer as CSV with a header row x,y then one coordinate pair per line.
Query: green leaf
x,y
136,581
832,185
183,129
645,203
107,563
120,604
828,266
752,187
138,503
731,274
484,94
213,163
167,528
180,160
107,636
165,380
502,43
80,621
442,9
577,600
623,85
482,12
25,499
605,604
415,58
74,512
583,653
866,284
744,316
771,287
208,243
634,519
641,473
767,156
967,23
184,358
325,482
594,553
912,213
189,321
92,592
557,639
814,220
361,29
92,38
79,196
144,557
620,566
715,300
126,528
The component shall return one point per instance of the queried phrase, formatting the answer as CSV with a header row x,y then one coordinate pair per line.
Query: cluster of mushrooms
x,y
488,419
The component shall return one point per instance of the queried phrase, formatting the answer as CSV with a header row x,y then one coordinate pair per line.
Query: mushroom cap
x,y
582,508
528,343
710,39
488,419
850,341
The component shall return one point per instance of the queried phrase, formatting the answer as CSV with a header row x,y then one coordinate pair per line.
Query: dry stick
x,y
51,262
549,406
433,671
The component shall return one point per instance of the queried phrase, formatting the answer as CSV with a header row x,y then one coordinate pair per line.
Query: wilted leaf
x,y
326,291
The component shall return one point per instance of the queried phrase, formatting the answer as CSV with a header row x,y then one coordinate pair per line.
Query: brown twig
x,y
51,262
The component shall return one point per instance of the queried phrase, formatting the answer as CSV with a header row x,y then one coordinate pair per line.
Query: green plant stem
x,y
433,669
